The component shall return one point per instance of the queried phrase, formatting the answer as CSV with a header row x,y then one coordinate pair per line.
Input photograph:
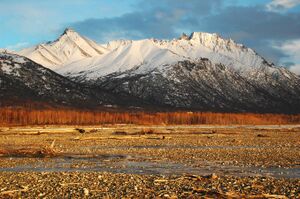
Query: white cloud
x,y
295,69
291,49
17,46
278,5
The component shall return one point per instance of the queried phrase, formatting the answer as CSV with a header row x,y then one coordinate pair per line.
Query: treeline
x,y
13,116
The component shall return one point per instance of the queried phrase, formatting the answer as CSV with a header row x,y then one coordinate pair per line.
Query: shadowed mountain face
x,y
209,87
198,72
24,81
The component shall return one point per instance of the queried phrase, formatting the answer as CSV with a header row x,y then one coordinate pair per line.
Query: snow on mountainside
x,y
151,53
144,55
112,45
69,47
215,48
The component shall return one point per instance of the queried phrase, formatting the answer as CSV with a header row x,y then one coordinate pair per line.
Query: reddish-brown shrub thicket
x,y
19,116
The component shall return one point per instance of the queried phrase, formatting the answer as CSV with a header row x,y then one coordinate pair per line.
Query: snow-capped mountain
x,y
202,72
152,53
74,55
69,47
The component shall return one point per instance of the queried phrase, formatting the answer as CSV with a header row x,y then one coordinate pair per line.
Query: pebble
x,y
140,186
86,191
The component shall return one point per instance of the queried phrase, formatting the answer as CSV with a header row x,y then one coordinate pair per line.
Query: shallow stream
x,y
140,165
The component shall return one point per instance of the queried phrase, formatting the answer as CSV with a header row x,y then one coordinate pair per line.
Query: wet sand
x,y
151,161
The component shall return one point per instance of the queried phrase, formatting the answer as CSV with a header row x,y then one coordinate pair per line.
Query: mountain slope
x,y
24,80
143,55
205,86
69,47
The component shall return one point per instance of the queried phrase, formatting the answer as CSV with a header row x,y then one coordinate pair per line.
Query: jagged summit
x,y
184,36
213,39
202,36
69,30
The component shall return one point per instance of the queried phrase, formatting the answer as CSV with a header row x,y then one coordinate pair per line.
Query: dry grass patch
x,y
26,152
145,132
120,133
262,136
33,152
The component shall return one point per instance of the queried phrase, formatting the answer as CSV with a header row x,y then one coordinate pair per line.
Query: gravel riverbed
x,y
150,162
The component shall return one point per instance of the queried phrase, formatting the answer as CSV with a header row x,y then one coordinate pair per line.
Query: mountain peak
x,y
68,30
204,36
68,33
69,47
184,37
216,42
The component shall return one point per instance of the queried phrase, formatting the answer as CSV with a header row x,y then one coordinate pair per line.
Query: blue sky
x,y
271,27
